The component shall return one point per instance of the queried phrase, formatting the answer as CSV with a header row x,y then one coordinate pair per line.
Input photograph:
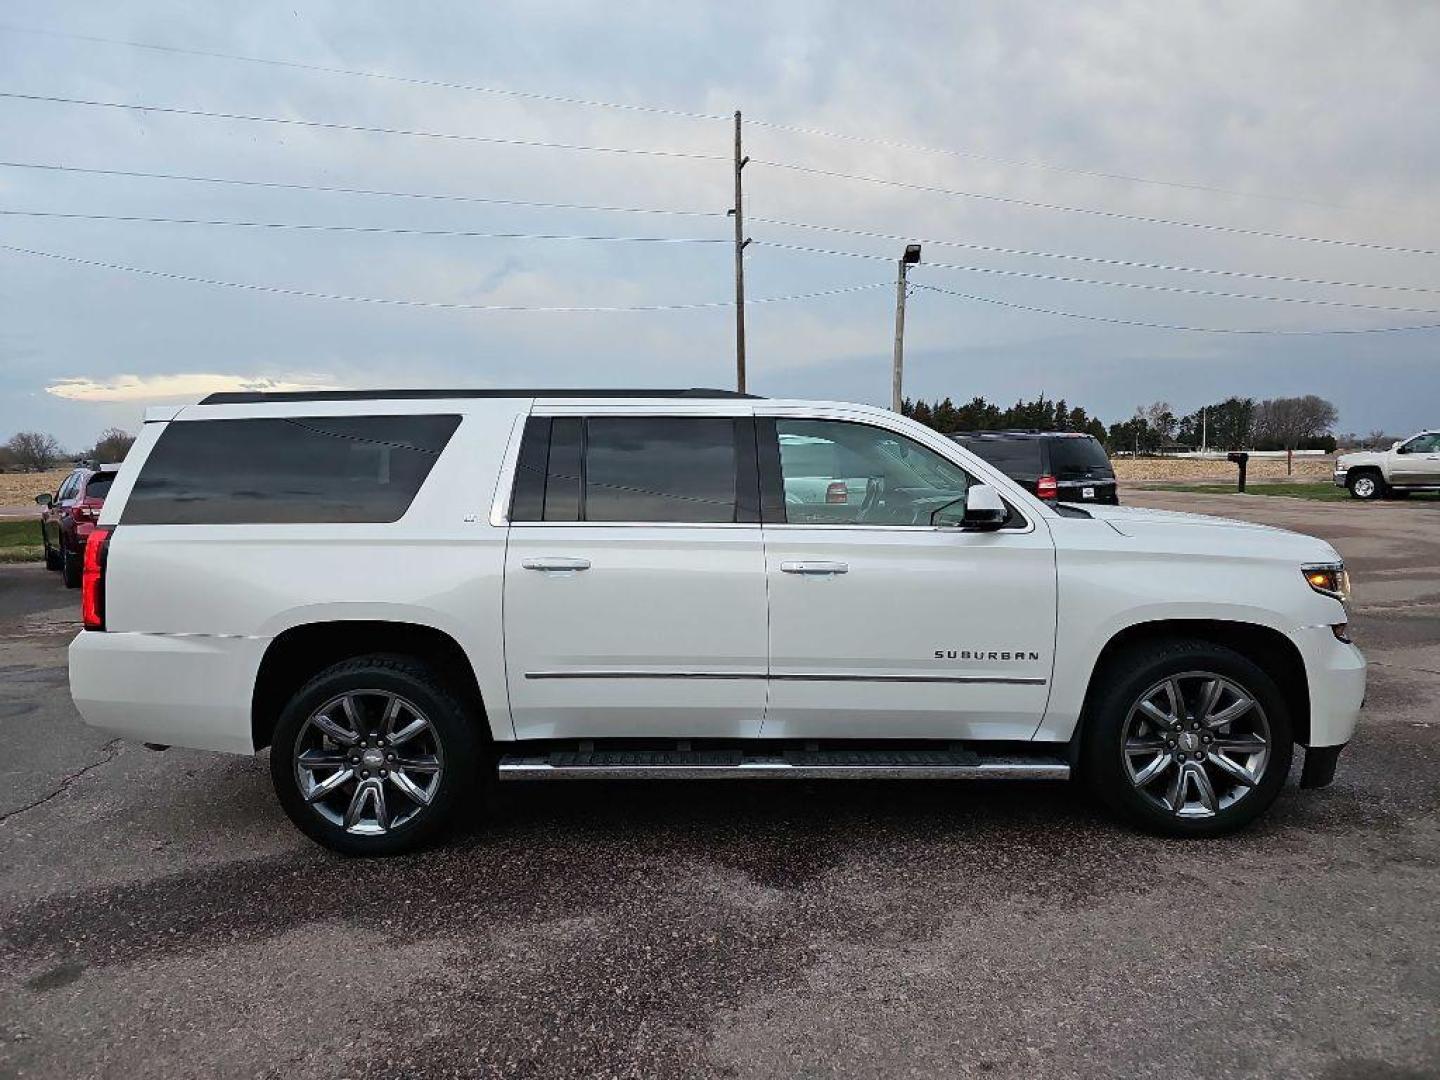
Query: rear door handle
x,y
555,563
813,567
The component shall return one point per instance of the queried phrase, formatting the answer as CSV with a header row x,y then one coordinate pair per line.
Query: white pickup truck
x,y
1412,464
406,594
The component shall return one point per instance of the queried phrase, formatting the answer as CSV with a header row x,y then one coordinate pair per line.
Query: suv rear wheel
x,y
373,756
1366,484
1189,738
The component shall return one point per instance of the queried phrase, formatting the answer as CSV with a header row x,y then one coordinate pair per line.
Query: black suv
x,y
1062,466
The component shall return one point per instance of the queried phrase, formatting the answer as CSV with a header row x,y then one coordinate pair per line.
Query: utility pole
x,y
739,214
1204,430
907,260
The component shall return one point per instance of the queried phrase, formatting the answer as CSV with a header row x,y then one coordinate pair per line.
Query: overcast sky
x,y
1314,119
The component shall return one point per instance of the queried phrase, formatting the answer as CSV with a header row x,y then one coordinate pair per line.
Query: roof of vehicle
x,y
1018,433
248,397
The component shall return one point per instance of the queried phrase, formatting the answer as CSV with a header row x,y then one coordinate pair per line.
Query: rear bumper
x,y
177,689
1335,671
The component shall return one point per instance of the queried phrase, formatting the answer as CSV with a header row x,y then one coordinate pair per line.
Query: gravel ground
x,y
160,918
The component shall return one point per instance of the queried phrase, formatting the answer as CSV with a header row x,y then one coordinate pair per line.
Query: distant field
x,y
1186,470
19,488
20,541
1319,492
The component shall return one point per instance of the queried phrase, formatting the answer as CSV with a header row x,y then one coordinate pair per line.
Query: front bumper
x,y
1335,672
1340,475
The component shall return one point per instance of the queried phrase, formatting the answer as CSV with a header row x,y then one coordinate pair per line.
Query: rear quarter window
x,y
1013,457
287,470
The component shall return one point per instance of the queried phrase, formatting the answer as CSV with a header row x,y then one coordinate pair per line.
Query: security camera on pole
x,y
907,260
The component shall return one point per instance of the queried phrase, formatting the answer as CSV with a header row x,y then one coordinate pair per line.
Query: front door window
x,y
840,473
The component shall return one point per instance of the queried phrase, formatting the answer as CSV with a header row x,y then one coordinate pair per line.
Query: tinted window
x,y
67,488
839,473
99,485
1013,457
1423,444
1079,459
670,469
290,469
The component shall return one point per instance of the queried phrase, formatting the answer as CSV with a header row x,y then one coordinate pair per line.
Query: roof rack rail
x,y
250,397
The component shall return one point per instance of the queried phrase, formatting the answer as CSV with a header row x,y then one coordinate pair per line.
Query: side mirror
x,y
980,510
1399,448
43,498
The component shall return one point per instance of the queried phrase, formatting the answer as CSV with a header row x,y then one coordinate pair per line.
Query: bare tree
x,y
33,450
1377,440
112,446
1285,423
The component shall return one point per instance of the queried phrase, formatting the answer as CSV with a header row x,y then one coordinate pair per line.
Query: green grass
x,y
1321,492
20,541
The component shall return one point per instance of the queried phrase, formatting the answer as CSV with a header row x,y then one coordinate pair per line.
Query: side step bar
x,y
783,765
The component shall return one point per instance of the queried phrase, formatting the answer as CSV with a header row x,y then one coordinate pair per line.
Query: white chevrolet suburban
x,y
404,594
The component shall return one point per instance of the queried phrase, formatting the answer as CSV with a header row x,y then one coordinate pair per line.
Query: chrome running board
x,y
781,765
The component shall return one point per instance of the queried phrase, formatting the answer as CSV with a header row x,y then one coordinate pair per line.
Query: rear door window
x,y
660,469
287,470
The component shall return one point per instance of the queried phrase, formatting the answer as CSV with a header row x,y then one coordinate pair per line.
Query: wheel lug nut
x,y
382,772
364,774
1170,743
389,757
1178,757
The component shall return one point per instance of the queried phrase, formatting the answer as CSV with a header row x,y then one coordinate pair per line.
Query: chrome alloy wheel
x,y
368,761
1364,487
1195,744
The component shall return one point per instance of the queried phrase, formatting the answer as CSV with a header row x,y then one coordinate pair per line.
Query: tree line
x,y
1285,423
36,451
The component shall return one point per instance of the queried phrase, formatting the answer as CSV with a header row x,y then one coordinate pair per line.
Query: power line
x,y
891,144
1130,263
439,304
175,110
1114,215
773,125
1170,326
327,189
378,229
1144,286
409,80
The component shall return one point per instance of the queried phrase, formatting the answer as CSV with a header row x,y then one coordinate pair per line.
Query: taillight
x,y
92,579
1046,487
837,492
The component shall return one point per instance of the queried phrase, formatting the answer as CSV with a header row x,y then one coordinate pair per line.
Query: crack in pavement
x,y
111,750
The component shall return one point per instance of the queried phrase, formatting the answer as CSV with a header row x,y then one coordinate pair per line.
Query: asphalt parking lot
x,y
160,917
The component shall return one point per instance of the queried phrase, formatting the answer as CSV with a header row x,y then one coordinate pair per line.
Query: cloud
x,y
179,385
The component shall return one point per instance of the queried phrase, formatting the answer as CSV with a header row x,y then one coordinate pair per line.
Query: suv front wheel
x,y
1189,738
373,756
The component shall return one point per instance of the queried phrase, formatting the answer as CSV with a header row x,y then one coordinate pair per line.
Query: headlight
x,y
1330,579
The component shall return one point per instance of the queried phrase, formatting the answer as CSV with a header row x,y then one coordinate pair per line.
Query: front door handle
x,y
555,563
813,567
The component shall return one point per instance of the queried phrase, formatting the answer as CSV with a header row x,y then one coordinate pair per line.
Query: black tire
x,y
455,736
52,557
1125,679
1367,484
70,568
